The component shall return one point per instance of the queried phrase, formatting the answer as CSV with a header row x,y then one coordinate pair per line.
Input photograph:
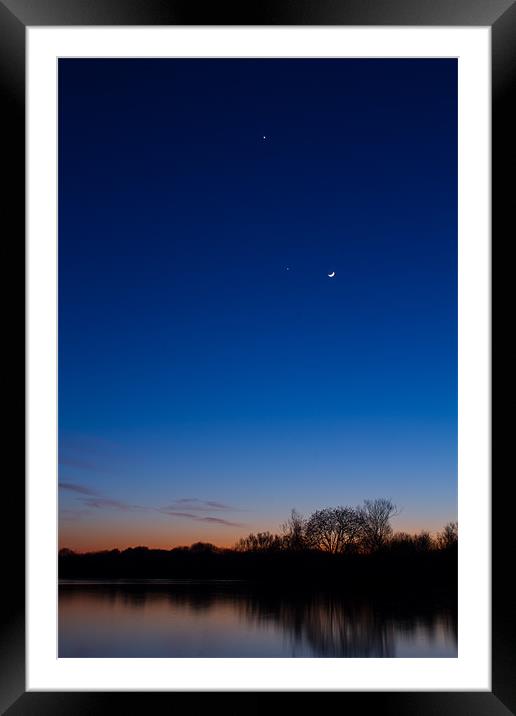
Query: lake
x,y
161,618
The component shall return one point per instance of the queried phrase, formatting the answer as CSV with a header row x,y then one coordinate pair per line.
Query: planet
x,y
332,274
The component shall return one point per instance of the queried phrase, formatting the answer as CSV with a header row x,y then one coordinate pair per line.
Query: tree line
x,y
364,529
350,548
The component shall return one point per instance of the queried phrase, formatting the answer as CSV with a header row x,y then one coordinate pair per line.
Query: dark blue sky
x,y
194,368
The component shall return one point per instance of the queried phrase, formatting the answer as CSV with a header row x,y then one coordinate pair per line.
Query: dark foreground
x,y
426,571
157,603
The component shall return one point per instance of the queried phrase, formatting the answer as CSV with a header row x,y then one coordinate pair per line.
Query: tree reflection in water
x,y
321,624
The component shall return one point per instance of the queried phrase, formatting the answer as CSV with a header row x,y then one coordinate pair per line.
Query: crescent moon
x,y
331,275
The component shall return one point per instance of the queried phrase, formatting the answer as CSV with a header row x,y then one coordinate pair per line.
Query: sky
x,y
212,375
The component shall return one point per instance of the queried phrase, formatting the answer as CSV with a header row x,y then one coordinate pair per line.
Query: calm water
x,y
223,619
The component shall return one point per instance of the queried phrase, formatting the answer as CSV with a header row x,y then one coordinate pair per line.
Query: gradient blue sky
x,y
204,389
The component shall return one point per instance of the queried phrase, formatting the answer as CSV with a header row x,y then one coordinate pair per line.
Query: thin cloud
x,y
219,505
106,502
199,518
197,505
93,500
218,521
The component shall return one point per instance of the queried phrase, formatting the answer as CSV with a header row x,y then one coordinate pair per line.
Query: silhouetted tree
x,y
269,558
260,542
333,530
349,525
423,542
243,544
375,527
322,532
203,547
401,542
449,536
294,538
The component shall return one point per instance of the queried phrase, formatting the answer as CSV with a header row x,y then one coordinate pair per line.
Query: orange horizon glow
x,y
71,538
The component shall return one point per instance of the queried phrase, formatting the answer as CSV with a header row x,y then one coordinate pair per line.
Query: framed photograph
x,y
258,353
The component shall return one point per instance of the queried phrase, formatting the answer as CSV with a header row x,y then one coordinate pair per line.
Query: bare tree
x,y
333,530
423,542
403,542
260,542
321,531
374,517
349,528
449,536
294,532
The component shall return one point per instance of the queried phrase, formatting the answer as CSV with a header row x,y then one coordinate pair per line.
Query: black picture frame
x,y
15,16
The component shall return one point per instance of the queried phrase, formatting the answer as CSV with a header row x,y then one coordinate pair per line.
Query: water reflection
x,y
231,619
